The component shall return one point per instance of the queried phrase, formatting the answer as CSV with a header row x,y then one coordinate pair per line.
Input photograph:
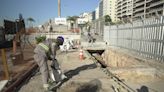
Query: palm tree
x,y
30,19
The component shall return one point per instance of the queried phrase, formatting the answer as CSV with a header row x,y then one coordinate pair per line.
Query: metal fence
x,y
145,37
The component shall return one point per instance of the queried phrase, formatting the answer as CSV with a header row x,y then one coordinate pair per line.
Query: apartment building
x,y
101,9
97,13
107,7
124,9
148,8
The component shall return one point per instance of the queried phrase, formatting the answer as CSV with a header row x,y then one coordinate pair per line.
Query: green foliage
x,y
108,19
72,18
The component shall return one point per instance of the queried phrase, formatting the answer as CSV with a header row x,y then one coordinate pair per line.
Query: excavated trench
x,y
125,66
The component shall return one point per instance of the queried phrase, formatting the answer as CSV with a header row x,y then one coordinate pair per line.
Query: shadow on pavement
x,y
74,72
143,89
92,86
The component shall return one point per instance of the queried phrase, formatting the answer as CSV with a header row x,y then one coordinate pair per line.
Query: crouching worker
x,y
44,51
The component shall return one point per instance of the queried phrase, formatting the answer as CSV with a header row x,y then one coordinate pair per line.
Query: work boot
x,y
46,87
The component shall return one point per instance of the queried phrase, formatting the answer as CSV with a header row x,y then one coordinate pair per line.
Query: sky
x,y
42,10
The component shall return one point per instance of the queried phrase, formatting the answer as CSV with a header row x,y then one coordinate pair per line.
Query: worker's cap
x,y
60,40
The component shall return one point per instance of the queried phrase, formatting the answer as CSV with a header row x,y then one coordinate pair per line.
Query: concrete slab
x,y
2,84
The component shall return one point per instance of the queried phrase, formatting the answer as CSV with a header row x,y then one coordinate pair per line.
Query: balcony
x,y
124,11
124,7
119,1
117,7
129,13
154,10
138,9
124,3
118,14
138,15
156,3
138,4
136,1
118,10
148,1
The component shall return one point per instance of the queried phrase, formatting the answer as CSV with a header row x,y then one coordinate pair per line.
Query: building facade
x,y
107,7
124,9
148,8
87,16
97,12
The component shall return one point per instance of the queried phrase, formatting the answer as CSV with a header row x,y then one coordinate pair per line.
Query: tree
x,y
108,19
31,20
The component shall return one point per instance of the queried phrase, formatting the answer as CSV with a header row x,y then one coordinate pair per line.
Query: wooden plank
x,y
4,60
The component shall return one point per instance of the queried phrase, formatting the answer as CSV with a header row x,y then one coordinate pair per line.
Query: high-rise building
x,y
101,9
124,9
107,7
148,8
97,12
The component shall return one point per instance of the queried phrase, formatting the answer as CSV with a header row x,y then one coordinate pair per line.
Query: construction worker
x,y
45,50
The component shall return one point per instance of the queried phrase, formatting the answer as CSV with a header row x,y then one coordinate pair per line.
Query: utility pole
x,y
59,8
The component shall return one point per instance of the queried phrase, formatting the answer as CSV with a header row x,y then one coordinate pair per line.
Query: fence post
x,y
162,38
109,36
131,35
156,41
117,34
141,39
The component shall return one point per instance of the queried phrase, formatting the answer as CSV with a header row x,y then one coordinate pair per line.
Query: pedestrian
x,y
91,39
46,50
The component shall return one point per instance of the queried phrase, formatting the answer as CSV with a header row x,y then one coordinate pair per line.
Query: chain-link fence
x,y
145,37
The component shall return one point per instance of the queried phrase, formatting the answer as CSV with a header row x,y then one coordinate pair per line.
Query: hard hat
x,y
60,40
